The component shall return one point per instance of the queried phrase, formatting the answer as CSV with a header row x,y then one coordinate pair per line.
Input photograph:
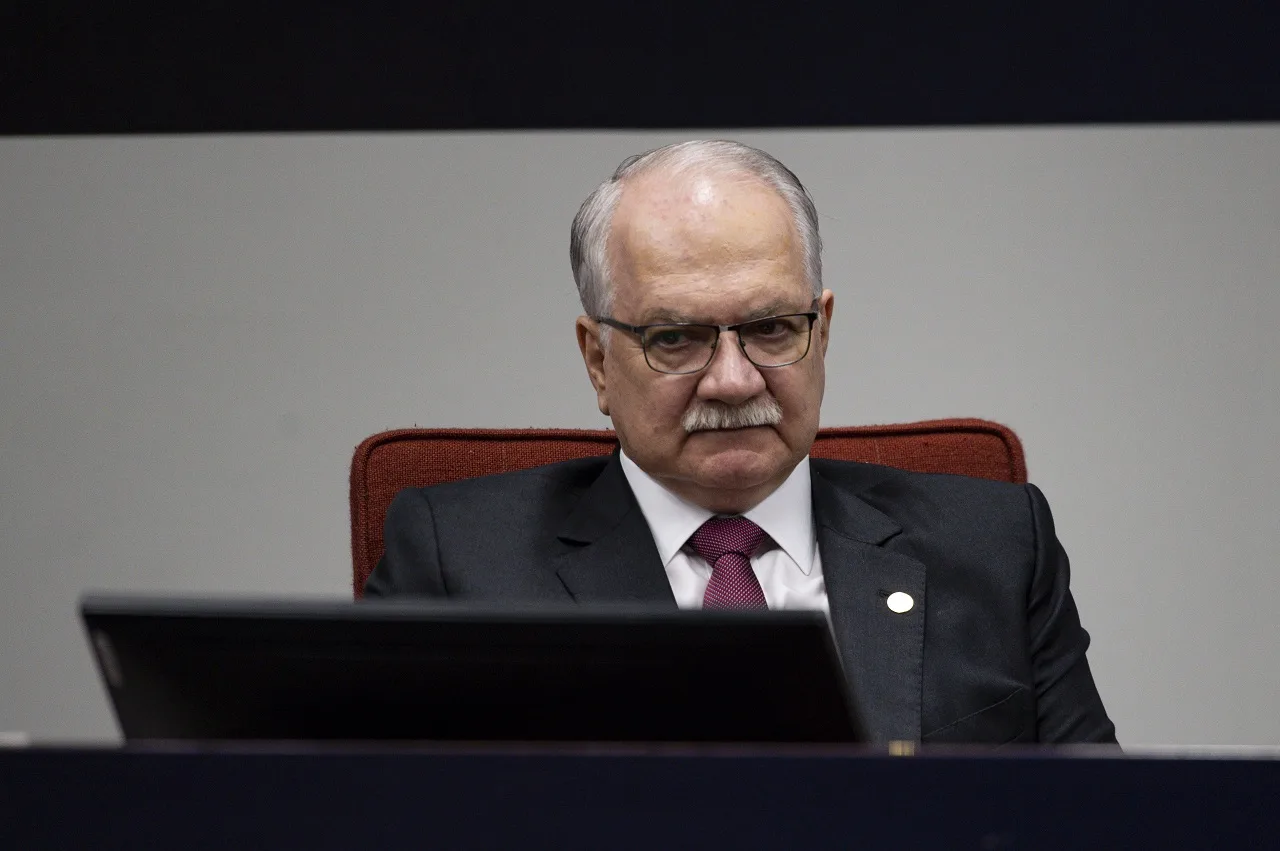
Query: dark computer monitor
x,y
237,669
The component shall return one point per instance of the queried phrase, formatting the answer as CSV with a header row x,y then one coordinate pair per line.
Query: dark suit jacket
x,y
992,651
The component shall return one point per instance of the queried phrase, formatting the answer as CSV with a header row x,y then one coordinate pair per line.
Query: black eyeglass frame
x,y
639,331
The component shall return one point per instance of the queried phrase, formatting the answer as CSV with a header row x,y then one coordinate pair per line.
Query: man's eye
x,y
669,339
769,328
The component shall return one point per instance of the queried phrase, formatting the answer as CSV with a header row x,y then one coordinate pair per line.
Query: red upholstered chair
x,y
415,457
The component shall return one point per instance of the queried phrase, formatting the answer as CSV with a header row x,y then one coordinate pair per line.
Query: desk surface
x,y
292,795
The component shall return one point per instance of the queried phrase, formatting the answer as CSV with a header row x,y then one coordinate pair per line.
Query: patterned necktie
x,y
727,543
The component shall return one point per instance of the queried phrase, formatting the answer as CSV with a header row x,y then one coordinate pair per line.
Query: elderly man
x,y
706,328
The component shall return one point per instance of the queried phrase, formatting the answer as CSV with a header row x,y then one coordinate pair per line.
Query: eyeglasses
x,y
681,348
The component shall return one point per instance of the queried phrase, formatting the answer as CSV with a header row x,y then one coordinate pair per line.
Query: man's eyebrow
x,y
662,316
775,308
670,317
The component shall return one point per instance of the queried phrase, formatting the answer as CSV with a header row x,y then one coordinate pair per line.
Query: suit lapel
x,y
610,555
882,650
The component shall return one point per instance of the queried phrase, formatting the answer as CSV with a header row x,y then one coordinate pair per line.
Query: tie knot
x,y
721,535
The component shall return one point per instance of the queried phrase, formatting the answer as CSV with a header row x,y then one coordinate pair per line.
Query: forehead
x,y
704,247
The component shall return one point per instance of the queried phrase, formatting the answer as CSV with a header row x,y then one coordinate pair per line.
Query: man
x,y
705,334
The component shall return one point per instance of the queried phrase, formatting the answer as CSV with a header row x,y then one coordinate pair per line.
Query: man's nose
x,y
730,377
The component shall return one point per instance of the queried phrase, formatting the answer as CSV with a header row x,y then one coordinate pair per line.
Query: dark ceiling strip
x,y
454,65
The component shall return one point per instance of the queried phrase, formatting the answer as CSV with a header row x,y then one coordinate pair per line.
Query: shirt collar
x,y
786,515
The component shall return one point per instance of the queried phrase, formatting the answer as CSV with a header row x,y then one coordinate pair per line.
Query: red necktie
x,y
727,543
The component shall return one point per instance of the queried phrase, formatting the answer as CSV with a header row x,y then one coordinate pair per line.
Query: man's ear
x,y
826,306
589,344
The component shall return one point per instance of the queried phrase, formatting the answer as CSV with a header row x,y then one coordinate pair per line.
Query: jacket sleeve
x,y
1068,707
410,564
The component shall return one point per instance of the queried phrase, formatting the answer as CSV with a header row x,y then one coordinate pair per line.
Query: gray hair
x,y
589,236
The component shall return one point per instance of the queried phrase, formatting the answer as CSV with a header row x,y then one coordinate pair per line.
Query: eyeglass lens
x,y
776,341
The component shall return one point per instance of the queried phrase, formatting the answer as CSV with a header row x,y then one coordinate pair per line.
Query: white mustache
x,y
710,416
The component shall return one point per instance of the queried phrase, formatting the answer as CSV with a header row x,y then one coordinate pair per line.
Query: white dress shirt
x,y
788,565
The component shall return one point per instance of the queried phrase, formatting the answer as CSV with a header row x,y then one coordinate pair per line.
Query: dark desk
x,y
291,796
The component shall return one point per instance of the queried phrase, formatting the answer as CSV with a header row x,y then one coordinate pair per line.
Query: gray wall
x,y
196,332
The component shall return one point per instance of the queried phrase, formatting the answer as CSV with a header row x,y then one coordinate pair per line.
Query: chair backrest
x,y
388,462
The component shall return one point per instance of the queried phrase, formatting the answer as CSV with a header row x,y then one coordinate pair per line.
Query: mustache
x,y
710,415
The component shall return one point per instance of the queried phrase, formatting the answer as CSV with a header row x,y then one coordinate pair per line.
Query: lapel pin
x,y
900,602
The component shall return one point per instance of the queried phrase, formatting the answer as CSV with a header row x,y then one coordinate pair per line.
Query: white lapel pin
x,y
900,602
